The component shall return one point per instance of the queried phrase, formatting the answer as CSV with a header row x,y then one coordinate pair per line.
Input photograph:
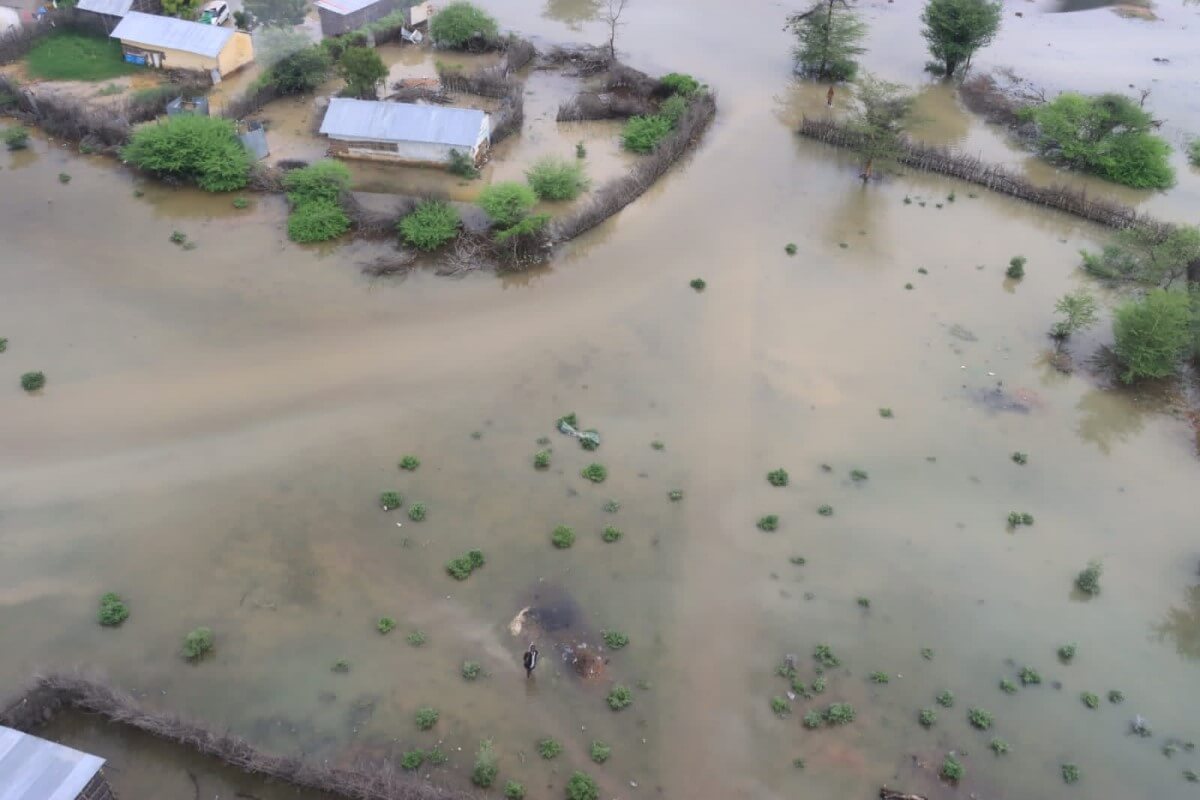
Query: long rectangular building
x,y
404,132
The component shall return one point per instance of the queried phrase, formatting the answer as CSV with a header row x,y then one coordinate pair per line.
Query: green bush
x,y
426,718
1194,152
341,666
927,717
620,697
549,748
673,109
615,639
323,181
417,512
318,221
1029,676
839,714
952,769
945,698
192,148
197,643
461,568
643,133
484,772
581,786
1007,686
1016,267
430,225
778,477
458,23
998,746
562,537
768,523
113,610
410,463
1107,135
416,638
514,791
1152,334
699,284
1070,773
1088,580
507,203
3,344
596,473
362,69
240,203
471,670
385,625
557,179
32,381
979,718
611,534
526,228
300,71
541,459
1066,653
16,138
390,500
412,760
600,751
679,83
1090,699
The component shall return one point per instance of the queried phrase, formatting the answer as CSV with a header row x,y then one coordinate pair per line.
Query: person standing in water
x,y
829,97
531,659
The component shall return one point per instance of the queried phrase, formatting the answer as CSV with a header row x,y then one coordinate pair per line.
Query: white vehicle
x,y
215,12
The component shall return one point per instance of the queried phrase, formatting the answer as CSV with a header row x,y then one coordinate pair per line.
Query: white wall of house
x,y
411,152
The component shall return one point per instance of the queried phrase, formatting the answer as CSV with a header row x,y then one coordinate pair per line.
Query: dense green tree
x,y
277,12
192,148
1151,334
300,71
459,23
1108,135
184,9
362,69
1078,310
828,37
508,203
882,111
955,29
1137,255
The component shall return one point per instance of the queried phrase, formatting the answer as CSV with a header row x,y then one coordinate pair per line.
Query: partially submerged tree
x,y
277,12
955,29
1137,255
362,69
1108,135
1151,334
828,37
1079,312
883,110
460,23
612,18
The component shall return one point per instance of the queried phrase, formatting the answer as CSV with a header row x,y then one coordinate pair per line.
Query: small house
x,y
36,769
342,16
111,12
169,43
405,132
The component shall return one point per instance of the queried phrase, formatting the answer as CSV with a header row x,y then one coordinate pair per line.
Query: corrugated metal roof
x,y
112,8
35,769
172,34
345,6
402,122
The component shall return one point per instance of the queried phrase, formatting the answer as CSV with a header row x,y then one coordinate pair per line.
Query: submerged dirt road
x,y
218,425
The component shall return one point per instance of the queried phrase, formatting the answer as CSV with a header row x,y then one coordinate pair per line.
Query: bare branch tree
x,y
613,18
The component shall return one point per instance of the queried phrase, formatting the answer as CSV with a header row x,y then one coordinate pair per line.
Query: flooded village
x,y
811,387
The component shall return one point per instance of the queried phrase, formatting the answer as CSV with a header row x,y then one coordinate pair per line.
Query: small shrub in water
x,y
556,179
431,224
1088,581
945,698
1116,696
1020,458
436,757
549,748
389,500
416,638
562,537
462,165
1019,518
410,463
768,523
1016,267
799,561
611,534
908,287
1070,773
596,473
485,769
952,769
998,746
886,413
1066,653
620,697
698,284
1090,699
777,477
927,717
1030,676
927,653
615,639
611,506
416,512
813,719
471,670
600,751
113,610
197,643
3,344
240,203
675,495
426,718
385,625
825,511
580,150
541,459
581,786
823,653
1008,687
790,249
16,138
858,475
864,602
317,221
341,665
879,677
642,134
979,718
412,760
64,177
839,714
1190,775
780,706
657,445
514,791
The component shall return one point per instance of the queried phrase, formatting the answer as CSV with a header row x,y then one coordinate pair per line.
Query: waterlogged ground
x,y
218,424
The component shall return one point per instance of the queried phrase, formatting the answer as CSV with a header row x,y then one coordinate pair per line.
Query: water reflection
x,y
1183,625
572,13
1106,417
20,159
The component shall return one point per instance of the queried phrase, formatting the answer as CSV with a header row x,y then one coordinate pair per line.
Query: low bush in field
x,y
325,180
507,203
557,179
430,225
194,149
318,221
643,133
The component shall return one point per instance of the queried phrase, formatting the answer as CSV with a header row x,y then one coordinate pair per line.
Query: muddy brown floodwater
x,y
218,424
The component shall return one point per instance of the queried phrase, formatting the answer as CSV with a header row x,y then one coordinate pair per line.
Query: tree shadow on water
x,y
1108,417
572,13
1182,625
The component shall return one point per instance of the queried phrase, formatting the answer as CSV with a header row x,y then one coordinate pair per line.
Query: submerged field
x,y
218,425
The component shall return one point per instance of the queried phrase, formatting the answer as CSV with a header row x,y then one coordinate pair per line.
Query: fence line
x,y
972,169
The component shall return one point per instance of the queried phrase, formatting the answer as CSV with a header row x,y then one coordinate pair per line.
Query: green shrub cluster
x,y
1152,334
507,203
16,138
596,473
426,717
1194,152
317,222
485,769
197,643
549,748
680,83
600,751
1107,135
562,537
113,610
458,23
32,381
461,568
300,71
431,224
620,697
582,786
315,193
557,179
192,148
642,134
615,639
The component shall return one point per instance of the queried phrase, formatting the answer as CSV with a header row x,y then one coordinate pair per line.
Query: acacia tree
x,y
828,38
955,29
1147,257
883,109
362,69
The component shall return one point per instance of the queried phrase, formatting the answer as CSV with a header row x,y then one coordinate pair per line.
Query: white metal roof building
x,y
405,131
35,769
109,8
157,41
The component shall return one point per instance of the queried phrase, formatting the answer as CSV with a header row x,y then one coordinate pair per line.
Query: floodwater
x,y
219,422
